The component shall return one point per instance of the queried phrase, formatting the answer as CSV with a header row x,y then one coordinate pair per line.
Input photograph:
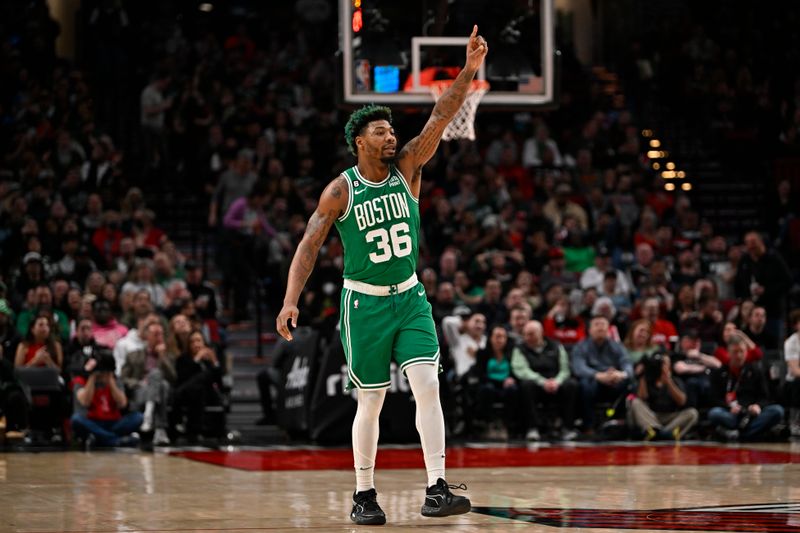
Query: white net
x,y
463,124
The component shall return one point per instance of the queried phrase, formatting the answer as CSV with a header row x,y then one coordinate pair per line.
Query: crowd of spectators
x,y
550,235
98,307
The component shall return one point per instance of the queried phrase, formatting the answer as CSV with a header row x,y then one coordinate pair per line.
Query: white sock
x,y
365,436
424,383
147,418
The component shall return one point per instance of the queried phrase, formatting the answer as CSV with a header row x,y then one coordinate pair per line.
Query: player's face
x,y
379,141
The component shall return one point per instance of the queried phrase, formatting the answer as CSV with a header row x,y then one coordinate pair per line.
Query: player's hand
x,y
289,312
477,48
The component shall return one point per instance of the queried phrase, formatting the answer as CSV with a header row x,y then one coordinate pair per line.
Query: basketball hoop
x,y
463,124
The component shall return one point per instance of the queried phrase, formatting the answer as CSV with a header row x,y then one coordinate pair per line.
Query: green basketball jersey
x,y
379,229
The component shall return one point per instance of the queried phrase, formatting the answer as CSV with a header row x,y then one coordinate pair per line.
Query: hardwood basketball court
x,y
601,488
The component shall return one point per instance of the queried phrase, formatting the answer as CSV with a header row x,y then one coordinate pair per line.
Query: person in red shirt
x,y
752,351
99,400
664,332
562,325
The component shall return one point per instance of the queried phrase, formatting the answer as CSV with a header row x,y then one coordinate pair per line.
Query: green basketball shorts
x,y
376,329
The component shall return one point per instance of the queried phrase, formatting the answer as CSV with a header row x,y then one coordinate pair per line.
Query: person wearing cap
x,y
594,275
31,276
560,206
695,368
555,272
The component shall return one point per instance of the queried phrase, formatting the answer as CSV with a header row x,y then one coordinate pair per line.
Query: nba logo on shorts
x,y
355,304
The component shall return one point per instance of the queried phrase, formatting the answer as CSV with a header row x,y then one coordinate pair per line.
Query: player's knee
x,y
424,382
371,401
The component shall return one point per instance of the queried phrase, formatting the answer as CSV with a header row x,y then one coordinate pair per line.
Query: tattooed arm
x,y
331,205
422,147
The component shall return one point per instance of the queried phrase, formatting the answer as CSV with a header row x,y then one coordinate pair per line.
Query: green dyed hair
x,y
360,118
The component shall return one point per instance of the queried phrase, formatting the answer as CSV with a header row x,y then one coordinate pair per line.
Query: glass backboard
x,y
392,50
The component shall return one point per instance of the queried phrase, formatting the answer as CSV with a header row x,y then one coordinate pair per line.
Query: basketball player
x,y
384,313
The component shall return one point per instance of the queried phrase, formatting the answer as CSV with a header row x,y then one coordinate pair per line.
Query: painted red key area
x,y
342,459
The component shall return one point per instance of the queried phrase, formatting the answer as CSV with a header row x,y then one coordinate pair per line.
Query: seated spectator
x,y
707,321
791,393
9,338
197,384
684,305
742,411
664,332
81,348
757,331
147,375
603,368
754,353
622,301
560,205
593,276
562,325
444,301
105,328
541,150
141,306
696,369
555,273
143,278
43,304
542,368
639,342
203,292
520,315
99,400
14,406
464,338
491,306
40,348
660,409
132,341
603,306
496,383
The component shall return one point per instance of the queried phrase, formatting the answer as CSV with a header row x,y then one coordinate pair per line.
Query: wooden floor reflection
x,y
110,492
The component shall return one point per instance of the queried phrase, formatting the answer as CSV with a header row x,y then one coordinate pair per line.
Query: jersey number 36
x,y
393,243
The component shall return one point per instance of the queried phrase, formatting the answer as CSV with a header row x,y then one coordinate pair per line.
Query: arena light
x,y
205,7
647,133
358,21
668,174
681,174
686,186
669,186
654,154
671,166
655,143
656,165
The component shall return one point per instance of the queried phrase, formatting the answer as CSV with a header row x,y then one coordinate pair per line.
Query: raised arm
x,y
422,147
331,205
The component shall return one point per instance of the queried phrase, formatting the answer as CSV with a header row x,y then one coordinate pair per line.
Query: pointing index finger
x,y
474,31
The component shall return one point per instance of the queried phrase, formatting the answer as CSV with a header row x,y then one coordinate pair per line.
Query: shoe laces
x,y
445,487
368,500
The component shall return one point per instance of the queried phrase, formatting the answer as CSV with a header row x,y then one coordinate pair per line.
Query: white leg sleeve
x,y
424,381
365,436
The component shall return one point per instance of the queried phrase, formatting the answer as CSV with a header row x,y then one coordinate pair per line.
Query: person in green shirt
x,y
43,298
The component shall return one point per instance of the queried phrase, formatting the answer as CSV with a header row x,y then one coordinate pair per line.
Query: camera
x,y
105,361
653,367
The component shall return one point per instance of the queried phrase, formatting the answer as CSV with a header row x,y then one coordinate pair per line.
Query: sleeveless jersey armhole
x,y
405,184
349,197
